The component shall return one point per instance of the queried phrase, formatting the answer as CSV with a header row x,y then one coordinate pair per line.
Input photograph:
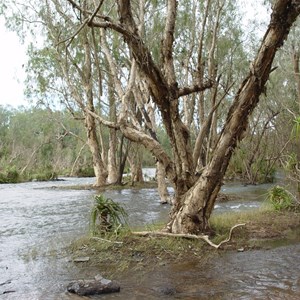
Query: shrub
x,y
107,215
10,175
85,172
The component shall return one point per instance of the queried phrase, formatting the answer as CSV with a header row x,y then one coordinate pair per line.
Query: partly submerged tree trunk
x,y
134,159
99,168
192,211
162,184
111,161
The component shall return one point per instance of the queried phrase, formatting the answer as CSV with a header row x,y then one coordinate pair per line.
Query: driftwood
x,y
189,236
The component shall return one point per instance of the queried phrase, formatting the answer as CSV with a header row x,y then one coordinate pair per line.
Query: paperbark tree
x,y
160,71
195,198
195,207
74,73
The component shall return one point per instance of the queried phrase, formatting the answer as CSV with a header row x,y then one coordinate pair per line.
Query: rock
x,y
97,286
167,290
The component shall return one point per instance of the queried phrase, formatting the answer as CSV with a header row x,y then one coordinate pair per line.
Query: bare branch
x,y
101,120
196,88
152,145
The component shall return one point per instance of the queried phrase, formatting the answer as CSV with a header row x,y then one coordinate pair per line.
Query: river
x,y
38,219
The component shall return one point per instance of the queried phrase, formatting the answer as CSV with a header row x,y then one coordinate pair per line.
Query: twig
x,y
189,236
86,21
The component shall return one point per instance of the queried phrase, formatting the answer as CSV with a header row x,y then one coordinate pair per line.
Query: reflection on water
x,y
38,220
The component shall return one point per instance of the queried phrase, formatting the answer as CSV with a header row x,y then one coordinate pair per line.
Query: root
x,y
189,236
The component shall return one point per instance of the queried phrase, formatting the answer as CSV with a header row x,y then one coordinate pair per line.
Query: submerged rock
x,y
97,286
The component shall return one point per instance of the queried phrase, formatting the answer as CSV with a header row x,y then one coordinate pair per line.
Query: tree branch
x,y
167,43
101,120
196,88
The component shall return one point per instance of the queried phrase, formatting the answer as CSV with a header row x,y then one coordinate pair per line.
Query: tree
x,y
195,198
160,69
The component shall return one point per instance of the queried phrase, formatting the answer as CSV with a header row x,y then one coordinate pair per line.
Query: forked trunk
x,y
192,211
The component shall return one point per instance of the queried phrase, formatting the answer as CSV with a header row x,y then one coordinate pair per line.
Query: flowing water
x,y
37,220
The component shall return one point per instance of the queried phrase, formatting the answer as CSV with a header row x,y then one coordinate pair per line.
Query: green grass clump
x,y
282,199
107,216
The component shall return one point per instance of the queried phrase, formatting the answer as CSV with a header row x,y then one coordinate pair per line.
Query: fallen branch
x,y
189,236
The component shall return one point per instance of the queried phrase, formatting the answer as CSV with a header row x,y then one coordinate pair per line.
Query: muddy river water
x,y
37,220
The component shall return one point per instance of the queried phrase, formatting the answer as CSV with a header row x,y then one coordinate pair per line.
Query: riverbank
x,y
115,255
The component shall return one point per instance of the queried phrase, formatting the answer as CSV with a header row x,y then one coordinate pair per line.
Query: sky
x,y
13,57
12,75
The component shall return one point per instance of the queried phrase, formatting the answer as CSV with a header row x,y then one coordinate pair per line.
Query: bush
x,y
85,172
9,176
45,176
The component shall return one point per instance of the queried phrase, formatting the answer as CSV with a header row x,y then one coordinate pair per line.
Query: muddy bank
x,y
256,274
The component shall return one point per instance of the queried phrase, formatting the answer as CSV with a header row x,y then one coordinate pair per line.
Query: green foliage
x,y
85,171
106,216
9,175
292,162
44,175
281,199
42,144
296,128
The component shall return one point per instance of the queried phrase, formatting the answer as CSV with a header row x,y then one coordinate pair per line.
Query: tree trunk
x,y
296,63
123,153
111,162
135,161
112,151
90,123
162,184
193,209
99,169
